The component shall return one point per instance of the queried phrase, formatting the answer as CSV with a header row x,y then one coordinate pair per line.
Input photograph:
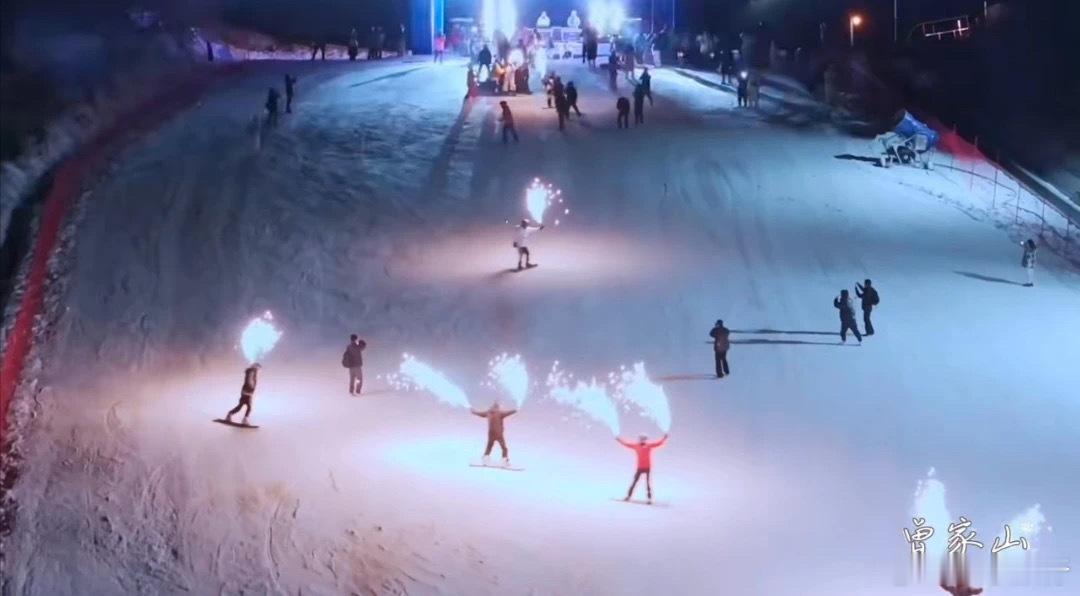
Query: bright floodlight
x,y
488,16
607,15
507,19
856,20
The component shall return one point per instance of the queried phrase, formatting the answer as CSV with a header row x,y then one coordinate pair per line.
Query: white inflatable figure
x,y
573,21
544,21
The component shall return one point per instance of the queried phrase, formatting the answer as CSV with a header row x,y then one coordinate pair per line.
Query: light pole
x,y
895,22
854,22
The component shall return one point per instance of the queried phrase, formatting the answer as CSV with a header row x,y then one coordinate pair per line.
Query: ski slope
x,y
379,207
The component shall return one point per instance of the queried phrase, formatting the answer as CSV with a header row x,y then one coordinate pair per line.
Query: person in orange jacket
x,y
643,449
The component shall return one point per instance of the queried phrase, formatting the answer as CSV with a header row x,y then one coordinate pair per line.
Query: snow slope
x,y
379,206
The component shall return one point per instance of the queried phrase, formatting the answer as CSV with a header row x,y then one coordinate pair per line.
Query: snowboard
x,y
235,424
527,267
497,467
641,502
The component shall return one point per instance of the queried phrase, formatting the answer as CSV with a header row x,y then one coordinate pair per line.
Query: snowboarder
x,y
613,69
290,88
847,316
639,104
272,97
353,359
571,99
495,417
521,242
623,107
483,60
507,118
721,345
247,393
643,449
742,89
1028,260
646,84
870,299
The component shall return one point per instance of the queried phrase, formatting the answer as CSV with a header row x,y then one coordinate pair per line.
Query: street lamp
x,y
854,22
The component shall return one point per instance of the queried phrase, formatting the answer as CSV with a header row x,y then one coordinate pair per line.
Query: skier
x,y
646,83
613,69
742,89
721,344
272,97
571,99
521,242
643,449
247,393
639,104
290,88
847,316
353,359
507,118
495,417
483,60
870,299
623,107
1028,260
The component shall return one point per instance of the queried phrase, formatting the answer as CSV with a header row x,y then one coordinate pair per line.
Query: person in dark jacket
x,y
646,84
727,67
743,89
507,119
622,105
870,299
721,344
571,98
495,417
290,88
639,104
247,393
353,359
272,99
613,69
483,60
562,107
1027,261
847,316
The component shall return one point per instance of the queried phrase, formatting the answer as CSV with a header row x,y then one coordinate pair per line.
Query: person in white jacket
x,y
521,242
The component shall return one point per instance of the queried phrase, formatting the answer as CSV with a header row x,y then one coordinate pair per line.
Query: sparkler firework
x,y
259,337
414,374
509,373
589,399
633,386
539,197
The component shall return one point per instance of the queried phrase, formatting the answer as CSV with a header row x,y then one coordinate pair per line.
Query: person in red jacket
x,y
643,449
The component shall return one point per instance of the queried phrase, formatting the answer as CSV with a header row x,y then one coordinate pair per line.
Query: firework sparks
x,y
588,399
540,197
259,337
416,375
633,386
509,373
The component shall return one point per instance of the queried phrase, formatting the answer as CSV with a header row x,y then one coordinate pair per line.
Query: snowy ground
x,y
379,207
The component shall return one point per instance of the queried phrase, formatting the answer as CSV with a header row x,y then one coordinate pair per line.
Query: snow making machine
x,y
908,142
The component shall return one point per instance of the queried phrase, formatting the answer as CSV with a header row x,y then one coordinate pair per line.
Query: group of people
x,y
642,90
748,89
562,97
869,298
272,106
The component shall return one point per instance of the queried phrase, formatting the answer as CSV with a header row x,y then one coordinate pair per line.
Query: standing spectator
x,y
483,60
622,105
870,299
1028,261
613,69
562,106
721,345
847,316
354,45
646,84
639,104
571,99
742,89
290,88
353,359
272,100
753,90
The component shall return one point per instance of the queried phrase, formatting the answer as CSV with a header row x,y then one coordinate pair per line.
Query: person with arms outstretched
x,y
496,431
247,393
643,450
